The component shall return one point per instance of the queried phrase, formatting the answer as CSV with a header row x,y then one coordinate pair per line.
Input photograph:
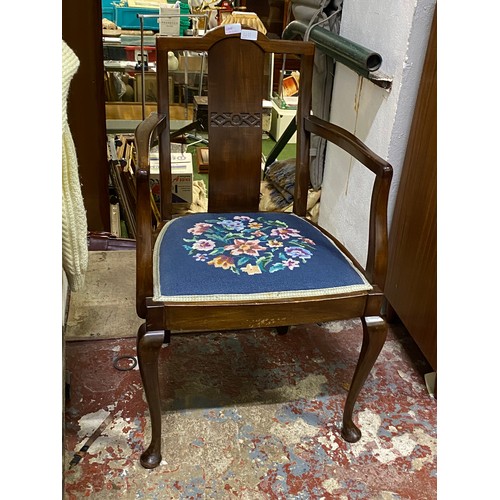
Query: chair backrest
x,y
236,70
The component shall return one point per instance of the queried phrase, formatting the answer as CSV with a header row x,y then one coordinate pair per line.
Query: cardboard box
x,y
169,25
182,178
193,62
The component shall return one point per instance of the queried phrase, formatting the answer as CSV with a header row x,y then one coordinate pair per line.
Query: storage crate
x,y
108,10
126,18
108,13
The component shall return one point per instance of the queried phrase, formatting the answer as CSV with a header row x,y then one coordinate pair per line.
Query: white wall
x,y
398,31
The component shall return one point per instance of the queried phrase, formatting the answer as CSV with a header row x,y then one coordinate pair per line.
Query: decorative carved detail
x,y
235,119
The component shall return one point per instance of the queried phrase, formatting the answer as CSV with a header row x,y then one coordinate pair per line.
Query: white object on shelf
x,y
182,177
280,119
169,25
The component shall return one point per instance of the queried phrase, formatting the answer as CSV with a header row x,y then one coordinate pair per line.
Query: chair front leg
x,y
148,350
374,335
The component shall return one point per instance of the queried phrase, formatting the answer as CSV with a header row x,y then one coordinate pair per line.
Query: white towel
x,y
74,217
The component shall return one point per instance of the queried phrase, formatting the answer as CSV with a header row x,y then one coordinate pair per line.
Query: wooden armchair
x,y
236,267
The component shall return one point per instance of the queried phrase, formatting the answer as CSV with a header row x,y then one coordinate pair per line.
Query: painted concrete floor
x,y
253,415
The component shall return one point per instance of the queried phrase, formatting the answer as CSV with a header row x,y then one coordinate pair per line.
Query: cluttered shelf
x,y
129,55
131,95
129,34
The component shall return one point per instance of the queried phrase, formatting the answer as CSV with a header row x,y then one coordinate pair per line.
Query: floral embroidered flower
x,y
204,245
223,261
285,233
199,228
291,264
247,247
308,241
274,244
298,253
249,269
233,225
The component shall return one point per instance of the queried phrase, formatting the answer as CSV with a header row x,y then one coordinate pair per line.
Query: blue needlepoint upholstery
x,y
203,257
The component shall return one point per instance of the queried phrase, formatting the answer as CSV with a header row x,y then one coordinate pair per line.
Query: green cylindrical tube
x,y
353,55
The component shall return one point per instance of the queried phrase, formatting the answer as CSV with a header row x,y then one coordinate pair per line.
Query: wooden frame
x,y
202,156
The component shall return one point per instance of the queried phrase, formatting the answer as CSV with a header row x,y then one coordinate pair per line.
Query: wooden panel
x,y
411,281
81,30
235,118
259,315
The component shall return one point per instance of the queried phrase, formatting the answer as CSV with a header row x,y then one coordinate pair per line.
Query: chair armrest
x,y
376,263
144,239
143,135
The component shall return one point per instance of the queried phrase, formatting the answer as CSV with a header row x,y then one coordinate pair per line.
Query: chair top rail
x,y
205,42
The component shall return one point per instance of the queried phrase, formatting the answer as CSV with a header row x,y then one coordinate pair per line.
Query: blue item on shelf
x,y
126,18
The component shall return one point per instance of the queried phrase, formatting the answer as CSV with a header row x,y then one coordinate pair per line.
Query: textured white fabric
x,y
74,218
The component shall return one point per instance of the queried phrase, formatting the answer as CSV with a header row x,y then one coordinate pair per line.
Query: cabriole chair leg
x,y
374,335
148,350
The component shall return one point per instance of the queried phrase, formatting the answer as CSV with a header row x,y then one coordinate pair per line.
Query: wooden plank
x,y
133,111
412,271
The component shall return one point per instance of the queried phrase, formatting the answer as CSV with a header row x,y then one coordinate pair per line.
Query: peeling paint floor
x,y
253,415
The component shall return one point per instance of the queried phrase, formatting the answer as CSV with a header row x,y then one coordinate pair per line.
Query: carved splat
x,y
235,119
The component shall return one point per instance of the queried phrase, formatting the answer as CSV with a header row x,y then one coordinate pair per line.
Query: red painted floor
x,y
253,415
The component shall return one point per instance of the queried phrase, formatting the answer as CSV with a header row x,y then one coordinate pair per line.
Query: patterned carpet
x,y
253,415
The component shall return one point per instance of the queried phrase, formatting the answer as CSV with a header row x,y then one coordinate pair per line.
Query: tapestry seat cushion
x,y
254,256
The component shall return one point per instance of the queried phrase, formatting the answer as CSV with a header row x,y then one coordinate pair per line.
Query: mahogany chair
x,y
236,267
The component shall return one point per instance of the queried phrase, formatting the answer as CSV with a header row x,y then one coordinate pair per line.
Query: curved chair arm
x,y
376,264
144,238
